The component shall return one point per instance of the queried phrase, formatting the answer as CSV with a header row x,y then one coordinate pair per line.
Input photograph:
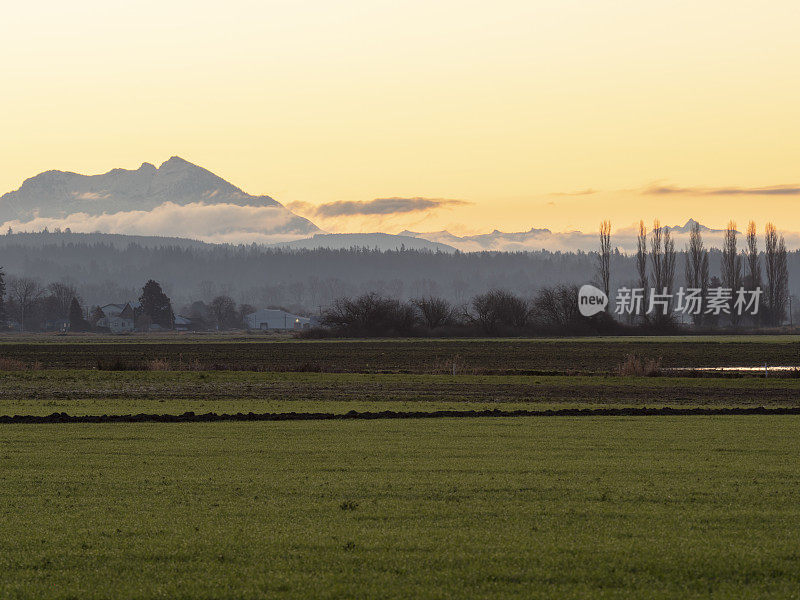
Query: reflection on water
x,y
762,368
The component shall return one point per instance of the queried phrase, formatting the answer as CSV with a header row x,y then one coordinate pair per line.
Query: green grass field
x,y
688,507
524,507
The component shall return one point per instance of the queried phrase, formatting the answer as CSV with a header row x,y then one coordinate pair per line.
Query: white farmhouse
x,y
117,318
269,318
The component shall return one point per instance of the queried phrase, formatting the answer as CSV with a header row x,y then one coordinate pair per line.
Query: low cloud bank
x,y
233,224
207,222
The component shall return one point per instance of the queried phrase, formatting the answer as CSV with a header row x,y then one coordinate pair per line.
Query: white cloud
x,y
208,222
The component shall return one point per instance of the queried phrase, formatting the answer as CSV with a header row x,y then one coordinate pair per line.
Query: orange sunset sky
x,y
529,113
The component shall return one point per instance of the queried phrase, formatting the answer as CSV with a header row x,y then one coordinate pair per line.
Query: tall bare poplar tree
x,y
752,280
731,261
605,255
662,258
657,256
771,263
697,267
669,260
641,262
731,265
782,284
753,261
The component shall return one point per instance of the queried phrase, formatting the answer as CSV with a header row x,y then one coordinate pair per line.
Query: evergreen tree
x,y
97,315
157,305
76,320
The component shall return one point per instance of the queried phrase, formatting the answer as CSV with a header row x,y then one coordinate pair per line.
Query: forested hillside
x,y
113,268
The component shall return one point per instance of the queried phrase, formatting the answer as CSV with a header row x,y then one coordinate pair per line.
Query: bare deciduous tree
x,y
498,308
697,266
434,312
662,259
669,260
731,265
641,261
772,299
782,283
62,294
370,314
605,255
558,306
25,291
223,311
657,256
753,262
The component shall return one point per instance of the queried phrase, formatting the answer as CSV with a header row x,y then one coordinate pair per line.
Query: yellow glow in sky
x,y
512,106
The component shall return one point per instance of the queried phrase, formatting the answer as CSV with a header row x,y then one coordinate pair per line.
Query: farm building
x,y
184,323
269,318
117,318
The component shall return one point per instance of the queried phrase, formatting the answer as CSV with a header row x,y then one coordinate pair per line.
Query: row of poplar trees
x,y
738,269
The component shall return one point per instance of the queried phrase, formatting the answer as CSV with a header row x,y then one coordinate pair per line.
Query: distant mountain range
x,y
379,241
497,240
545,239
180,200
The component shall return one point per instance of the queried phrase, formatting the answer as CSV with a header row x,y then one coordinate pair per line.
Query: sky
x,y
485,115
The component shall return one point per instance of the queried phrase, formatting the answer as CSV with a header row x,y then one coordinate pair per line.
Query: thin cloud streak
x,y
772,190
376,207
585,192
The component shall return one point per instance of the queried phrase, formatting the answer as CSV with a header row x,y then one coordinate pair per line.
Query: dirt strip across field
x,y
190,417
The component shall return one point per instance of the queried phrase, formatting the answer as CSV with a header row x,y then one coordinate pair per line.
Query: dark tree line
x,y
301,280
553,310
219,285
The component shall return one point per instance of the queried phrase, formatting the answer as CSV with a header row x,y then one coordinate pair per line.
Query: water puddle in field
x,y
761,369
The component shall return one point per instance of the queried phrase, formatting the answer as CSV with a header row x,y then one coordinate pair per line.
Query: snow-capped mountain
x,y
687,228
496,240
565,241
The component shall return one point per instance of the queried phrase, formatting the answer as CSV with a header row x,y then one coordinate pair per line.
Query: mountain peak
x,y
687,228
176,162
58,194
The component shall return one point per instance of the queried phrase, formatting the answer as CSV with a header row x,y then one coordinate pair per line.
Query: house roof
x,y
112,310
117,310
